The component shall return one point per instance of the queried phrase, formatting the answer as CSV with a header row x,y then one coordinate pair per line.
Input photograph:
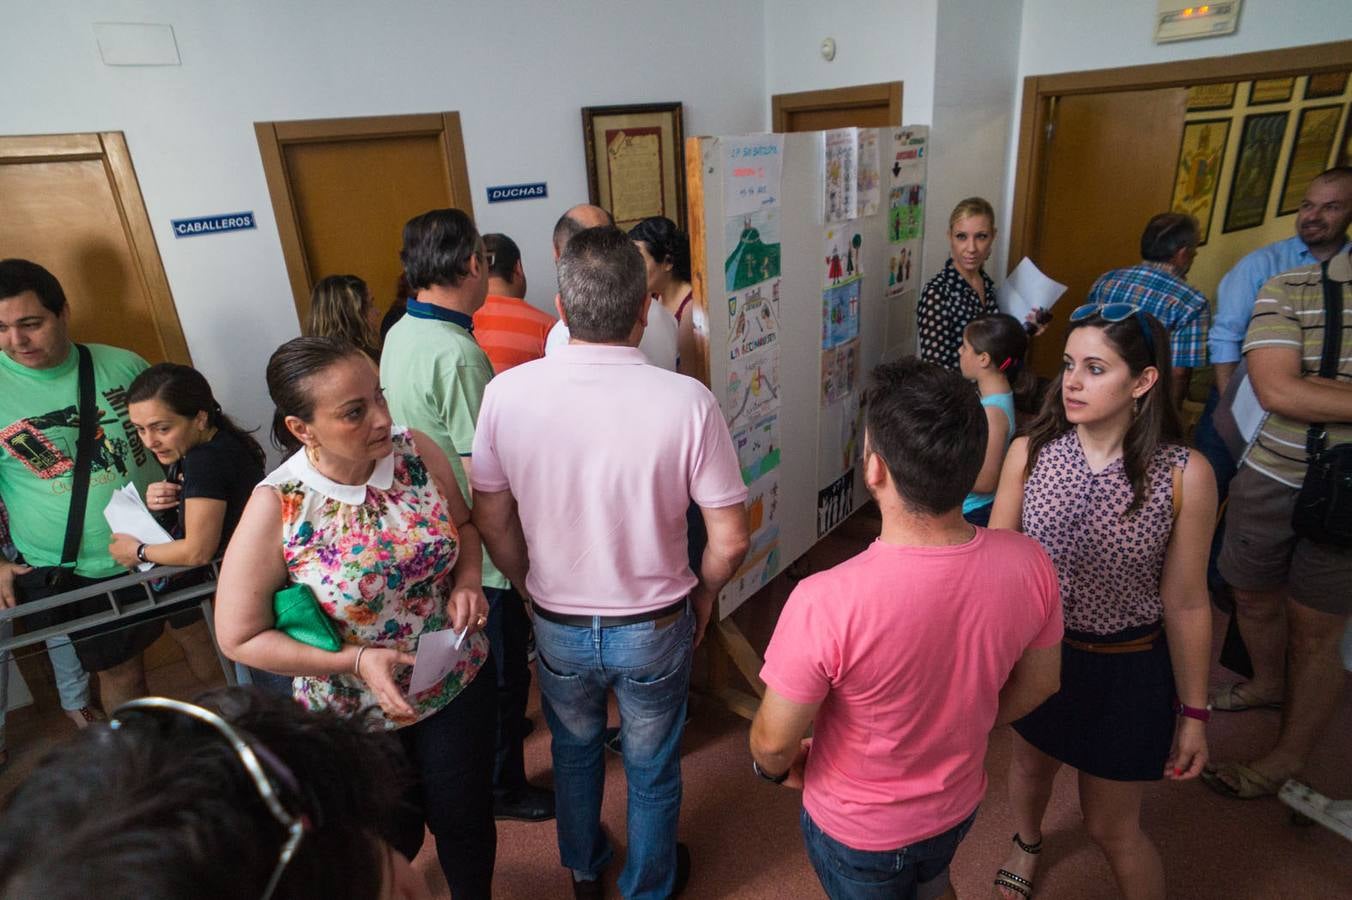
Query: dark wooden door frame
x,y
1040,91
784,105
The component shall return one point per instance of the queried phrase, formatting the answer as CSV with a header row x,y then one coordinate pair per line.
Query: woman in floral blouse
x,y
370,518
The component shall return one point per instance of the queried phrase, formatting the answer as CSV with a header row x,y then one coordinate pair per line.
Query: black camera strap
x,y
1330,356
84,459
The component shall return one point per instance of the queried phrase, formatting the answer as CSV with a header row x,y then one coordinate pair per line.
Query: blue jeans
x,y
1210,444
903,873
648,668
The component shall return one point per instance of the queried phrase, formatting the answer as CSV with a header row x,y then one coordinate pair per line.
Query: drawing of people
x,y
833,268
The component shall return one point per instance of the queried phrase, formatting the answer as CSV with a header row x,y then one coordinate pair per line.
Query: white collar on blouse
x,y
298,468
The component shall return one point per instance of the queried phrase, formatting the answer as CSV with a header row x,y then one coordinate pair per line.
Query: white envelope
x,y
438,653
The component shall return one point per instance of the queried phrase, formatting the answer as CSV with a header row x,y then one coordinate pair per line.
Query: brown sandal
x,y
1232,698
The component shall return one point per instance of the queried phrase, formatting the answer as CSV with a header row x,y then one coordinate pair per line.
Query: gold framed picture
x,y
1260,143
1211,96
1316,130
1325,84
1345,145
1271,90
1199,171
636,161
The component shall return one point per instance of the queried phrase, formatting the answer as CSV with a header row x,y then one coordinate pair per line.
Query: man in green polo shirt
x,y
39,429
434,374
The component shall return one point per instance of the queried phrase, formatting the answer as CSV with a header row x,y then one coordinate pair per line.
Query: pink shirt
x,y
906,649
604,453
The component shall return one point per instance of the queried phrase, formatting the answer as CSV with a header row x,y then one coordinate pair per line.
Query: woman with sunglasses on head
x,y
367,518
1126,512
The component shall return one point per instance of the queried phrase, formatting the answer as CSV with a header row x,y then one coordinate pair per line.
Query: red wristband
x,y
1202,714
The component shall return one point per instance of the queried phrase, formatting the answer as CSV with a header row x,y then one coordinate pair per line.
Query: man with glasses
x,y
239,795
434,374
1158,285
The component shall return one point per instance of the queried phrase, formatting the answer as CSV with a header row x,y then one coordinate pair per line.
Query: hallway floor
x,y
743,833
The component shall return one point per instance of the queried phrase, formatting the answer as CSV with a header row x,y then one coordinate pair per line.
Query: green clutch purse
x,y
299,616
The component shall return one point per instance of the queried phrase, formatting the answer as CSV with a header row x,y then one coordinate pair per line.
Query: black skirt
x,y
1113,717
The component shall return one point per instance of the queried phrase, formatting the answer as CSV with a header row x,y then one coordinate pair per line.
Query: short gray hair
x,y
602,281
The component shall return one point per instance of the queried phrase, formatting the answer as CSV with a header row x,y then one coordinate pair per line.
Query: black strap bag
x,y
1323,512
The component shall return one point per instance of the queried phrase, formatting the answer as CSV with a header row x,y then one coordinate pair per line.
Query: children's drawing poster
x,y
905,213
758,448
842,260
752,168
841,187
760,565
869,180
902,268
835,502
839,437
753,319
907,160
840,315
753,387
840,372
754,239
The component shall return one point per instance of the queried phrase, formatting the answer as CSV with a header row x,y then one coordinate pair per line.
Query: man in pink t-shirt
x,y
904,657
585,463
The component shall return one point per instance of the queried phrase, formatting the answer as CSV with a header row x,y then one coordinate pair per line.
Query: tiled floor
x,y
744,833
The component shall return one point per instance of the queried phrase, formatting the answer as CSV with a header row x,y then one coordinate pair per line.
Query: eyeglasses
x,y
257,761
1118,312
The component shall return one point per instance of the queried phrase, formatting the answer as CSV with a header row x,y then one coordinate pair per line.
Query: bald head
x,y
1326,212
579,218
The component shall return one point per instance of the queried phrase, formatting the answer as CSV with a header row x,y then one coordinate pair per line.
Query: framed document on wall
x,y
1260,143
1316,130
636,161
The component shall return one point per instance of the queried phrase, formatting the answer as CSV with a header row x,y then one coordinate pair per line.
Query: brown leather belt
x,y
1135,645
660,618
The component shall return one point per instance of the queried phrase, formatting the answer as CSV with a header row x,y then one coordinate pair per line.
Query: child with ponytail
x,y
992,356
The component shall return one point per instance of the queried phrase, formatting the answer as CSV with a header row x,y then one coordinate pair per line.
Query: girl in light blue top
x,y
992,356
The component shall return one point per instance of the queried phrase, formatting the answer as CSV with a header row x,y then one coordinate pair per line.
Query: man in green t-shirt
x,y
434,374
39,430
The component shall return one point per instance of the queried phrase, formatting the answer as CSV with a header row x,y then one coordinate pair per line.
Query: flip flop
x,y
1232,699
1244,782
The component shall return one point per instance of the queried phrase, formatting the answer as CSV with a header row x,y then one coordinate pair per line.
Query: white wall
x,y
517,71
974,90
1078,35
876,40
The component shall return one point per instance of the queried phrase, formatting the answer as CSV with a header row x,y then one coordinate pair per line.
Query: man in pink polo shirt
x,y
584,465
905,656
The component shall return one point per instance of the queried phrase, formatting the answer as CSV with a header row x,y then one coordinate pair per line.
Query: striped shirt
x,y
1181,308
511,331
1289,312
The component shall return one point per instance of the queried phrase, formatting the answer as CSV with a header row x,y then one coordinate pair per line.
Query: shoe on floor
x,y
84,716
524,804
682,869
611,739
1240,781
587,890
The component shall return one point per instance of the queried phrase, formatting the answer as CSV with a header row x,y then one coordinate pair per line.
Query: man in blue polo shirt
x,y
434,374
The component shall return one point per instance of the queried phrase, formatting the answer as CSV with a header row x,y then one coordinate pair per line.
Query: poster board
x,y
799,310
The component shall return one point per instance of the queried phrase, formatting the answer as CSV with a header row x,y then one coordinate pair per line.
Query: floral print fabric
x,y
1109,566
381,570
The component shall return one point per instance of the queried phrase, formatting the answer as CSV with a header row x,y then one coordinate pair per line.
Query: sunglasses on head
x,y
1118,312
258,762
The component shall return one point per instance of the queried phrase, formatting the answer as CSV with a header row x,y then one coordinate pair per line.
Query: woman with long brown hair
x,y
341,307
1125,511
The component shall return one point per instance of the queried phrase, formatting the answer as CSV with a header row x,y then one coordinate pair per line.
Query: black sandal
x,y
1016,883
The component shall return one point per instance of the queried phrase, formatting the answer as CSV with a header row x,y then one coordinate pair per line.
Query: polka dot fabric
x,y
1108,565
946,305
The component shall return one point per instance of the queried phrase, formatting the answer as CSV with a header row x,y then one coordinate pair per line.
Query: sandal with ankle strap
x,y
1017,883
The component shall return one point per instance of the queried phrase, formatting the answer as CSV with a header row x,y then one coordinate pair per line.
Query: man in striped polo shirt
x,y
509,329
1276,574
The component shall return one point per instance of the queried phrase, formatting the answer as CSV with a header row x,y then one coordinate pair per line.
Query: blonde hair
x,y
972,206
338,309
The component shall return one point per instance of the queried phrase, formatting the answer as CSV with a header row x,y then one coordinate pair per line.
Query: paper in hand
x,y
438,653
1027,291
126,514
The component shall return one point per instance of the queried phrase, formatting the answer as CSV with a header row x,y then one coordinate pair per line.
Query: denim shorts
x,y
918,871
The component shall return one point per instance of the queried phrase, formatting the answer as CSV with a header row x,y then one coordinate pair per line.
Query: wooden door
x,y
863,106
1110,163
71,203
342,190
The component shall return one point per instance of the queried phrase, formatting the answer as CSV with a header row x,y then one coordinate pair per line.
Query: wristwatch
x,y
773,779
141,553
1202,714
